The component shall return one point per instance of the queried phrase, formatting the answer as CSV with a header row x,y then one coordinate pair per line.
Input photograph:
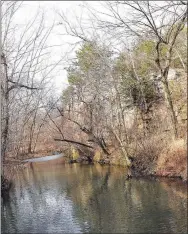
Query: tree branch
x,y
74,142
17,85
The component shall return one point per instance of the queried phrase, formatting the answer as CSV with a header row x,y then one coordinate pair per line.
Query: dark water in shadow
x,y
91,198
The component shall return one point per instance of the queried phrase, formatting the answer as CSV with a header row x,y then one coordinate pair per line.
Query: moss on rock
x,y
75,154
97,157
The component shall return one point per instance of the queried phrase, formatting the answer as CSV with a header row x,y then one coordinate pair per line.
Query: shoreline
x,y
134,174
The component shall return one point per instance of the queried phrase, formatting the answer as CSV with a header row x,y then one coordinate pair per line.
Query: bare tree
x,y
26,79
162,22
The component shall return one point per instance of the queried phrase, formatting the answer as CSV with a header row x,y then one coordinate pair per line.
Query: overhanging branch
x,y
18,85
74,142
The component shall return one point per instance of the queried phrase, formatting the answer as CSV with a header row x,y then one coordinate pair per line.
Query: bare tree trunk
x,y
5,114
31,133
171,107
123,149
181,60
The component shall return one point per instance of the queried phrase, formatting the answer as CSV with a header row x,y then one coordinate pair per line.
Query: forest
x,y
126,99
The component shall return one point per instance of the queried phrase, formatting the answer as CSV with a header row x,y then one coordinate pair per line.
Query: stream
x,y
78,198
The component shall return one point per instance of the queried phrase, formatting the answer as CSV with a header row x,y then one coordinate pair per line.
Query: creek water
x,y
79,198
44,159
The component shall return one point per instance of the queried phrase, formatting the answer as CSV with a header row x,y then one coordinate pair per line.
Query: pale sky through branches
x,y
60,43
81,18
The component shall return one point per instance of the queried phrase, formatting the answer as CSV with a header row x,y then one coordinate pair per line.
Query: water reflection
x,y
92,198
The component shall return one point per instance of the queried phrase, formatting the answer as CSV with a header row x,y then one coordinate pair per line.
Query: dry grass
x,y
147,153
172,161
161,155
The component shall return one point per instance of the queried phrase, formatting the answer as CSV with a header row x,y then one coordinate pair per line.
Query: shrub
x,y
173,160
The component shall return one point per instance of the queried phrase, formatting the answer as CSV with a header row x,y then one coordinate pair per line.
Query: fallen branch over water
x,y
74,142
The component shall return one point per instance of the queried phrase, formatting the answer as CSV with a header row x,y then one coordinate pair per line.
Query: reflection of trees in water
x,y
101,198
8,209
176,189
124,206
35,190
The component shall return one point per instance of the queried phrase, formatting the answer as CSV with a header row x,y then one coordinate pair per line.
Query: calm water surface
x,y
91,198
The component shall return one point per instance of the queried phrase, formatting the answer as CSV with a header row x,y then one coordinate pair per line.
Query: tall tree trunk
x,y
170,105
164,78
5,129
123,149
4,111
31,133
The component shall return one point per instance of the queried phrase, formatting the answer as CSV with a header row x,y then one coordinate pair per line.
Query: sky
x,y
74,10
71,8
